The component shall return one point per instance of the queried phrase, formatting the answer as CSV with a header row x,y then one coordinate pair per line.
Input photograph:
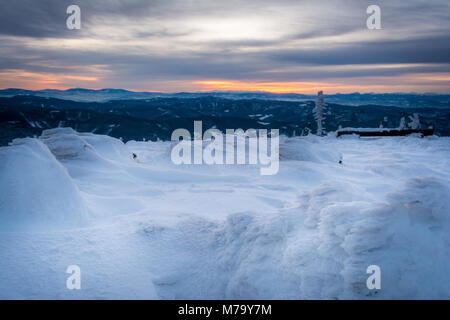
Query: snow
x,y
381,129
36,192
148,229
266,116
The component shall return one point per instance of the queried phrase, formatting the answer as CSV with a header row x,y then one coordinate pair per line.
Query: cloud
x,y
178,44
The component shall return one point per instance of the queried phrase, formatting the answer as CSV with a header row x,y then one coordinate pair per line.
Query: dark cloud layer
x,y
124,43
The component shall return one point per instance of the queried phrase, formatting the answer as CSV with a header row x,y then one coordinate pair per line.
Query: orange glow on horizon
x,y
421,82
281,87
274,87
38,81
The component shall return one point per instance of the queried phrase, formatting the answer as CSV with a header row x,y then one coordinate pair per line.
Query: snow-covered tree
x,y
318,113
402,124
415,121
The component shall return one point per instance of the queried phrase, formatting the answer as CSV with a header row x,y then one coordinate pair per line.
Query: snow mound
x,y
308,148
107,147
65,143
36,192
318,250
87,150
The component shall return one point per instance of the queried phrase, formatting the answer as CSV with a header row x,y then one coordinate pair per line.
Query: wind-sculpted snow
x,y
310,149
36,192
160,231
66,144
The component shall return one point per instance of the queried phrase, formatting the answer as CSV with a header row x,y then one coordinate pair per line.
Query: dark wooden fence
x,y
384,132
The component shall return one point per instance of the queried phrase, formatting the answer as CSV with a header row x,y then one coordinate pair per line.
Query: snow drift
x,y
36,192
161,231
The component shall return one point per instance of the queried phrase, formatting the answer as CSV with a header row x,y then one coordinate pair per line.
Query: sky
x,y
239,45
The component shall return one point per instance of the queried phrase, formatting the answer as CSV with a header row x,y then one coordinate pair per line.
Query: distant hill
x,y
406,100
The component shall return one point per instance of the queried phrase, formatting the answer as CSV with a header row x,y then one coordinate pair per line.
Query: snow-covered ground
x,y
147,229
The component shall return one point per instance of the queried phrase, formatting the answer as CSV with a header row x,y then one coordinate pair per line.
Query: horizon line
x,y
228,91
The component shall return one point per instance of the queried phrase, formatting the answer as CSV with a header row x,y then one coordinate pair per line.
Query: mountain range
x,y
388,99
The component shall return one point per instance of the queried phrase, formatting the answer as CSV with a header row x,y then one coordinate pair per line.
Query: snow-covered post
x,y
415,121
318,113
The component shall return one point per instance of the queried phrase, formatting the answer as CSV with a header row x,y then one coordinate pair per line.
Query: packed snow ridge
x,y
144,228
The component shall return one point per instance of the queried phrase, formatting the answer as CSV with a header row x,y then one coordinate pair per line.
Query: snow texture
x,y
145,228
